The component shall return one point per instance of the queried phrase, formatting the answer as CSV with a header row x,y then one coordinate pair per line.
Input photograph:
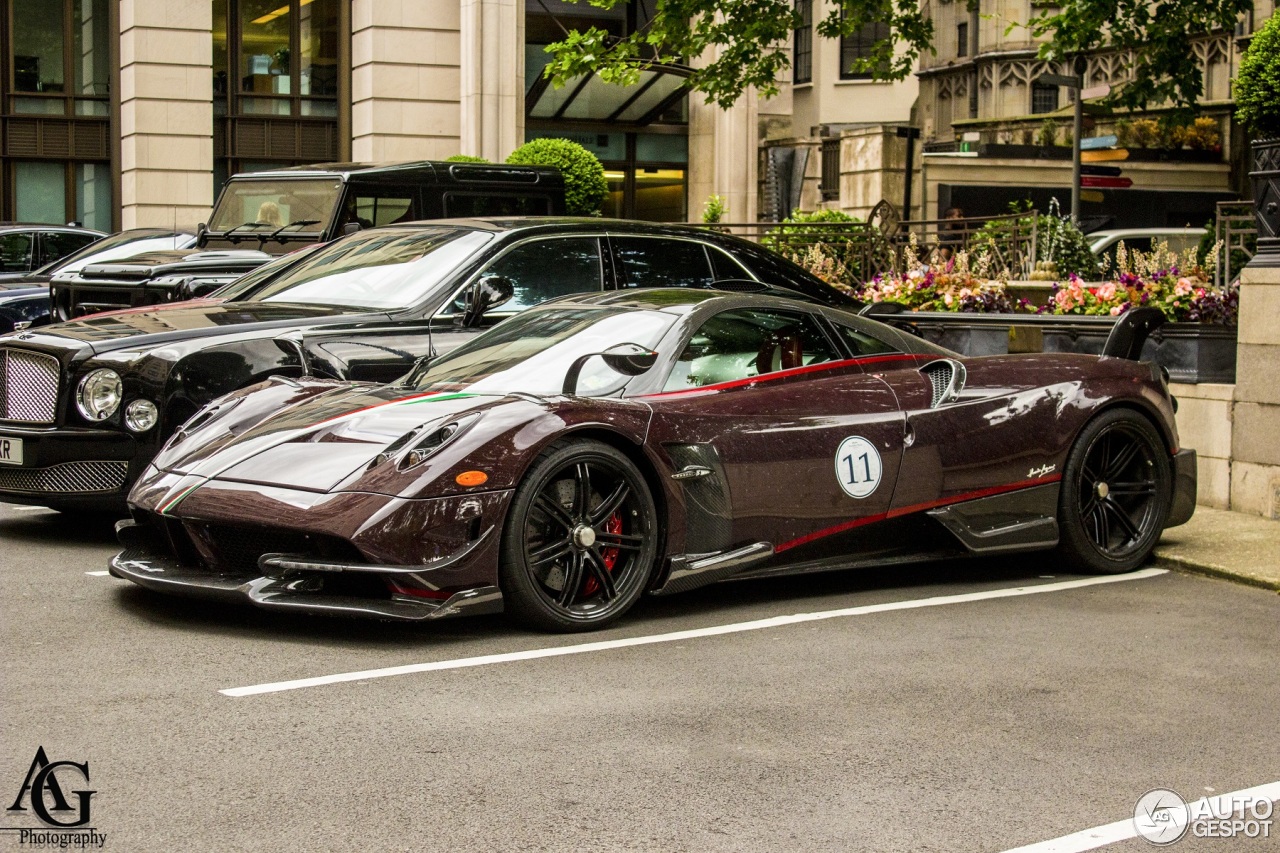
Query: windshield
x,y
533,351
126,244
387,269
253,205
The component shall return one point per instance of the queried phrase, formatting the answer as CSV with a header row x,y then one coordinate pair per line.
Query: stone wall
x,y
1255,425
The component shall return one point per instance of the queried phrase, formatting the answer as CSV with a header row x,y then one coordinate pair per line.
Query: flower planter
x,y
1191,352
1266,201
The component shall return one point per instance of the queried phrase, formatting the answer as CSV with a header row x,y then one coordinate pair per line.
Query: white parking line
x,y
101,574
1123,830
675,636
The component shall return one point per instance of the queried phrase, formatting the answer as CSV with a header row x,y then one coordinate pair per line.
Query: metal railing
x,y
1236,231
862,250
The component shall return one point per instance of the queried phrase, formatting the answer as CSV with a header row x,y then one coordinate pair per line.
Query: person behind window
x,y
269,214
951,234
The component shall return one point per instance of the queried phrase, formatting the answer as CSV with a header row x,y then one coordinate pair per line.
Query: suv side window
x,y
463,205
657,262
743,343
547,268
372,208
15,251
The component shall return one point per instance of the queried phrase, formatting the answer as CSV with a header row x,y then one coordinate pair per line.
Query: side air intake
x,y
947,380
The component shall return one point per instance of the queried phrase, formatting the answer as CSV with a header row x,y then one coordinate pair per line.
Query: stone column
x,y
166,112
405,80
492,78
723,147
1255,429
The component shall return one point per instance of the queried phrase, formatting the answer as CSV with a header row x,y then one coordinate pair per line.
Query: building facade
x,y
127,113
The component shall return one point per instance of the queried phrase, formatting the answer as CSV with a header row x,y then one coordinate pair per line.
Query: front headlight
x,y
99,394
141,415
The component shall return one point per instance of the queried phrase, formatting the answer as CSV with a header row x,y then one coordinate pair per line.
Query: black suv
x,y
260,215
85,405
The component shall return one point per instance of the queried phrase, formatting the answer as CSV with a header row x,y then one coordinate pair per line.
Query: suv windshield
x,y
252,205
533,351
384,269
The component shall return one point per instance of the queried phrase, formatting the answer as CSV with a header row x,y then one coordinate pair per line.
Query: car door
x,y
770,443
17,249
55,245
539,269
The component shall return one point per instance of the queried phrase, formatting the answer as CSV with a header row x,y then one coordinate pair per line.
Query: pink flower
x,y
964,291
1183,287
1063,298
1107,292
1115,311
947,299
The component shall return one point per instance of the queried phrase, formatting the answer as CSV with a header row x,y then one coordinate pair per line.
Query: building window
x,y
1044,99
61,64
275,57
802,54
860,46
962,39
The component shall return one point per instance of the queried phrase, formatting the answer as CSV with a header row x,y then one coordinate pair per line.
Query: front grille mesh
x,y
67,478
28,386
939,375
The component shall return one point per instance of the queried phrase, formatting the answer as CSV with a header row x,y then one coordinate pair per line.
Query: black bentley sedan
x,y
85,405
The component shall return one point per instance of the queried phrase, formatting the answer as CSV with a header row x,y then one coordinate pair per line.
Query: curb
x,y
1216,572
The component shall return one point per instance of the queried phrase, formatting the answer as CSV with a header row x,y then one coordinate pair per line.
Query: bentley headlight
x,y
99,395
141,415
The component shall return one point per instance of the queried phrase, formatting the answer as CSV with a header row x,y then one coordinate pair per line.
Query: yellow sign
x,y
1104,155
1091,195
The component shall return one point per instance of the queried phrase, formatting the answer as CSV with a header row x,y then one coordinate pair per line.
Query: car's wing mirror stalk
x,y
487,293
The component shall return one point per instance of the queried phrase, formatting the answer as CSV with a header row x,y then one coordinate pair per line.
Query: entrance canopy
x,y
587,98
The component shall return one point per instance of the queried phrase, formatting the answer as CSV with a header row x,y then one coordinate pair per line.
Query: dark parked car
x,y
263,214
24,300
598,447
26,247
85,405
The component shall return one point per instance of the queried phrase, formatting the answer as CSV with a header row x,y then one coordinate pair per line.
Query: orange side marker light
x,y
471,478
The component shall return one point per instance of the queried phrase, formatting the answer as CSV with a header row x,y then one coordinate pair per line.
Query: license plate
x,y
10,451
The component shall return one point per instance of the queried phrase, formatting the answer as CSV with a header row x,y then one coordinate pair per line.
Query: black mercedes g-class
x,y
260,215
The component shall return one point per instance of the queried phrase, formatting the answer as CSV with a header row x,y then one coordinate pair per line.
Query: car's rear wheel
x,y
1115,494
579,544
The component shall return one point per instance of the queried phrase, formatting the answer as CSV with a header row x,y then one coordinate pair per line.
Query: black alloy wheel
x,y
580,543
1116,492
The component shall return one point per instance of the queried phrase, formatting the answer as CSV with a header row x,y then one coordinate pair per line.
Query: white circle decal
x,y
858,466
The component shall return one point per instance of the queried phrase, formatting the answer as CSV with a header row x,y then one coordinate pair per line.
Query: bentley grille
x,y
67,478
28,386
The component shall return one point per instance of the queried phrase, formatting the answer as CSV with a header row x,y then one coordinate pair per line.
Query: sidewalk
x,y
1231,545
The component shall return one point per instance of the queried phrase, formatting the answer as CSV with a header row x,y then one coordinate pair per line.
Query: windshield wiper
x,y
292,224
227,234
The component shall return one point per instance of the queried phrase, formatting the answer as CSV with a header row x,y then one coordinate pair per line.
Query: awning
x,y
587,98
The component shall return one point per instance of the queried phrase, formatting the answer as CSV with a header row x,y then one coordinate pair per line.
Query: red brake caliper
x,y
609,555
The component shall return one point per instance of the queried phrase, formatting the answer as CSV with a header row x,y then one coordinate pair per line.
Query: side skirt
x,y
1025,520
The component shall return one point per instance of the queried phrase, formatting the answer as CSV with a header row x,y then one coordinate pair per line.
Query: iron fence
x,y
1236,231
855,252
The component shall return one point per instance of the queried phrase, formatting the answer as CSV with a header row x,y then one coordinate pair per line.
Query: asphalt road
x,y
971,726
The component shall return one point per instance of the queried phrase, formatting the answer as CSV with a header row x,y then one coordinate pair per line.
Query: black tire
x,y
1115,496
580,541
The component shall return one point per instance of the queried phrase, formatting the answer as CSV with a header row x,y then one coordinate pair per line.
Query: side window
x,y
372,209
744,343
15,251
655,262
723,267
461,205
58,244
545,269
862,343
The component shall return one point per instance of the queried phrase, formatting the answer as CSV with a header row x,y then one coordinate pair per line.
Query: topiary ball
x,y
466,158
585,186
1257,85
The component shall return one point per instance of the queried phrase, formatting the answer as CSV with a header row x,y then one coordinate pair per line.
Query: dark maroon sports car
x,y
599,447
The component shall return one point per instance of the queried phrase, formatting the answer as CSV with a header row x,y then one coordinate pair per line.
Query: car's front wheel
x,y
580,541
1116,489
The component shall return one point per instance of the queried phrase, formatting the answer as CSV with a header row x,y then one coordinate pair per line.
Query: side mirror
x,y
294,344
627,359
202,235
487,293
350,228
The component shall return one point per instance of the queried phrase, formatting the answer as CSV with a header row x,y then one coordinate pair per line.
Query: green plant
x,y
1058,240
585,186
1171,136
1257,84
1047,134
715,209
466,158
1203,135
1146,133
804,244
1124,133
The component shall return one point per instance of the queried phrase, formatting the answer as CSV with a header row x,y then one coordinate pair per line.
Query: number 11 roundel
x,y
858,466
